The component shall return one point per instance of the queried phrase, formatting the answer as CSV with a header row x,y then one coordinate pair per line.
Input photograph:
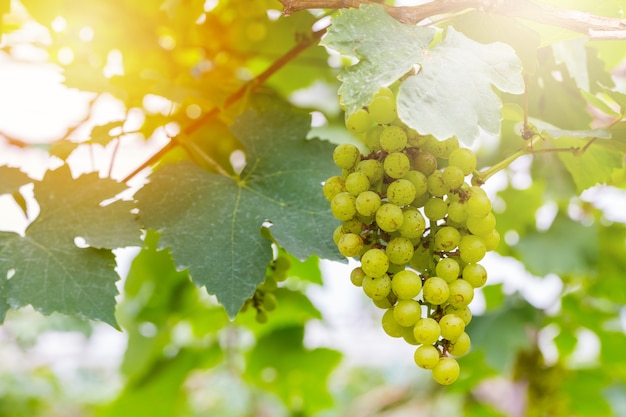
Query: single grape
x,y
384,91
446,239
261,316
270,302
407,312
452,326
383,109
435,208
350,245
491,240
433,146
450,145
464,312
425,162
389,217
426,331
421,259
461,293
413,224
399,250
377,288
453,177
393,139
339,231
409,337
343,206
460,346
385,303
375,263
448,269
390,325
426,356
435,290
367,203
478,205
406,284
419,181
457,211
357,276
356,183
436,184
333,186
359,121
372,168
396,165
472,248
463,158
481,226
446,371
372,138
346,156
401,192
475,275
353,226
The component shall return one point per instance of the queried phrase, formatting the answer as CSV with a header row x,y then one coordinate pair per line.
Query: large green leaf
x,y
212,223
11,179
47,269
453,95
386,50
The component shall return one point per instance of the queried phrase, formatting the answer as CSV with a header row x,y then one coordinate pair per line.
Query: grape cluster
x,y
264,300
417,227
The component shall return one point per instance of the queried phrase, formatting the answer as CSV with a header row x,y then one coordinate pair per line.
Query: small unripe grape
x,y
390,325
393,139
333,186
343,206
472,248
464,312
359,121
377,288
481,226
447,238
372,168
461,293
346,156
426,356
435,290
453,177
425,162
396,165
367,203
446,371
457,212
261,317
426,331
399,250
270,302
401,192
448,269
435,208
464,159
356,183
350,245
475,275
460,346
452,326
389,217
436,184
383,109
407,312
419,181
356,276
406,284
375,263
413,224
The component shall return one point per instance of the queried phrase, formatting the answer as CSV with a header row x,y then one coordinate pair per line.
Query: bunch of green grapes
x,y
417,227
264,300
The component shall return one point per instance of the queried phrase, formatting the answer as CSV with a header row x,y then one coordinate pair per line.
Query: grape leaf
x,y
452,94
212,223
386,50
11,179
45,268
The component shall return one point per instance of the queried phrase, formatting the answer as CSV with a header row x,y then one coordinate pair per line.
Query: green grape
x,y
357,276
461,293
282,263
367,203
421,200
478,205
346,156
433,146
333,186
372,168
339,231
353,226
457,212
472,248
401,192
384,91
426,331
350,245
450,145
385,303
464,312
421,259
390,325
481,226
269,284
446,371
393,139
383,109
463,158
415,140
475,274
453,177
343,206
419,181
435,290
356,183
269,301
460,346
425,162
261,316
359,121
491,240
375,263
407,312
406,284
372,138
448,269
409,337
436,184
399,250
426,356
377,288
452,326
389,217
396,165
413,224
446,239
435,208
